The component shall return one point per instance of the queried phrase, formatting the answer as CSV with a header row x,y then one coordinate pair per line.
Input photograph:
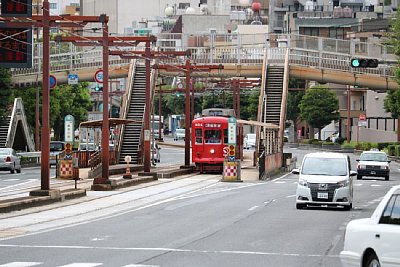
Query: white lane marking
x,y
175,250
81,264
11,180
14,185
375,185
253,208
140,265
290,196
280,182
20,264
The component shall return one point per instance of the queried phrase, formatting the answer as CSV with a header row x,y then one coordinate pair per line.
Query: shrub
x,y
391,150
348,145
397,150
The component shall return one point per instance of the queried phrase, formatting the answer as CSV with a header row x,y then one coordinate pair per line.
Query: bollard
x,y
127,174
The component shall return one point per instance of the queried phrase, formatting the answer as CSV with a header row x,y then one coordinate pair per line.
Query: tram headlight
x,y
212,151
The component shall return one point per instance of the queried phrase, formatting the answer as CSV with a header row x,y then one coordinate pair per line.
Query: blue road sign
x,y
52,81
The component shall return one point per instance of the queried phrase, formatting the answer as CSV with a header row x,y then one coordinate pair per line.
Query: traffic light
x,y
231,151
364,63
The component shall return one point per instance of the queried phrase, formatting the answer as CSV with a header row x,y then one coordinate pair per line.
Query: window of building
x,y
311,31
53,5
183,5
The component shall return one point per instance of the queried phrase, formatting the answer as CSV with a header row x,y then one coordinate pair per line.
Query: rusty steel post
x,y
192,107
45,161
146,152
348,114
187,114
105,131
160,127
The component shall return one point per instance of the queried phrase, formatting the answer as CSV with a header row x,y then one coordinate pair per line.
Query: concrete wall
x,y
273,163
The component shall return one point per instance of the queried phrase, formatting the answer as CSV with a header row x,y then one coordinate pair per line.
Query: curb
x,y
9,205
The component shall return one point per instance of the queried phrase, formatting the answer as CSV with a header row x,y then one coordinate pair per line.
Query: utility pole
x,y
46,21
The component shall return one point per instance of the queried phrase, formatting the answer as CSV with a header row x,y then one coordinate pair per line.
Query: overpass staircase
x,y
271,102
14,130
134,110
4,125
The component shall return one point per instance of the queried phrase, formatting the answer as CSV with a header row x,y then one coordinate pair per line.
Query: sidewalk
x,y
66,190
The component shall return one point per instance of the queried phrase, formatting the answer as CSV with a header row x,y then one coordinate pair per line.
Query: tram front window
x,y
212,136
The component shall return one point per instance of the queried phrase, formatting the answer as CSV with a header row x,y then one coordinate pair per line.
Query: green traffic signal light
x,y
364,63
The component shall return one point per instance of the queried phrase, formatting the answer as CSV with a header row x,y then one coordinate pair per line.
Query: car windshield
x,y
373,157
251,137
325,166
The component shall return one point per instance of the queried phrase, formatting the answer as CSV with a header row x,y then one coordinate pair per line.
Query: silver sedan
x,y
9,160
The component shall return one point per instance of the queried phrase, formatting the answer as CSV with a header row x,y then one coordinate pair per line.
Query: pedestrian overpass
x,y
303,57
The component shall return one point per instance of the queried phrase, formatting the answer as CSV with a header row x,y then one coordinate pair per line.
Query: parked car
x,y
325,178
249,141
179,134
86,146
9,160
374,241
373,163
56,148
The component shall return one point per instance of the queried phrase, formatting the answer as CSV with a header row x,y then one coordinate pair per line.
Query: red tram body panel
x,y
209,143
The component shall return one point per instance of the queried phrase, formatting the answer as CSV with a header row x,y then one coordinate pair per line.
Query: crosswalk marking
x,y
76,264
81,264
20,264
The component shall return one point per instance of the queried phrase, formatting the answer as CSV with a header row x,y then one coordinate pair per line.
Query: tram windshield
x,y
212,136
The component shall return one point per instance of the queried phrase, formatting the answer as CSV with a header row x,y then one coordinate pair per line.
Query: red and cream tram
x,y
210,139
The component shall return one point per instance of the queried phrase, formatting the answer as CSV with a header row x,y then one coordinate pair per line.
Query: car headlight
x,y
343,183
384,167
303,182
212,151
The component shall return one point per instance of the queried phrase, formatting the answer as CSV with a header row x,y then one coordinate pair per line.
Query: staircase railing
x,y
261,101
18,113
282,118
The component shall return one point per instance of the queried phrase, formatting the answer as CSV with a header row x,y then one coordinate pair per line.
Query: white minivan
x,y
325,179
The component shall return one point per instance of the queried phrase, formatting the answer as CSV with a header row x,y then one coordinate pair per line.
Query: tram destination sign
x,y
16,8
15,47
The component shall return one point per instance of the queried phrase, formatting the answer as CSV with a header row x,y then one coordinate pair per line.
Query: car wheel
x,y
300,206
19,170
359,177
12,170
348,207
372,261
387,178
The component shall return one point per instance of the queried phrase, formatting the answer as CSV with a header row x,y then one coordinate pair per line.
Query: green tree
x,y
5,93
319,107
64,100
293,107
67,99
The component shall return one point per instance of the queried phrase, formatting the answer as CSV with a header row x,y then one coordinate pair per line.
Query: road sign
x,y
232,131
362,117
52,81
98,76
225,151
179,86
68,148
69,121
73,79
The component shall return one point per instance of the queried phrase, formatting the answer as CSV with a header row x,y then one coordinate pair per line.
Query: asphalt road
x,y
193,221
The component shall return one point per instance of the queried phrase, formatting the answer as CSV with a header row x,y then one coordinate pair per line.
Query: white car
x,y
375,241
9,160
179,134
325,179
249,141
373,163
